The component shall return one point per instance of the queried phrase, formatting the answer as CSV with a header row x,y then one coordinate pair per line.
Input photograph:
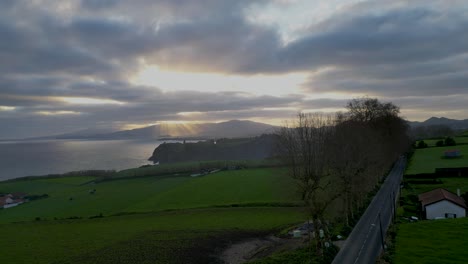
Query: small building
x,y
453,153
5,200
12,200
440,203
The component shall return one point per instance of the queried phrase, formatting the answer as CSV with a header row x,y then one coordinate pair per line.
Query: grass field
x,y
441,241
432,241
189,167
68,197
166,237
153,219
426,160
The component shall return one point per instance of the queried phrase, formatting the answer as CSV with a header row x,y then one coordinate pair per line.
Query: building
x,y
440,203
12,200
453,153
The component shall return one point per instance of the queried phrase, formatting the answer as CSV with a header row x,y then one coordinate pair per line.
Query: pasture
x,y
164,237
432,241
440,241
428,159
170,218
70,197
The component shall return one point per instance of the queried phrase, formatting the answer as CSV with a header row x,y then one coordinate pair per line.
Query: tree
x,y
369,138
449,141
303,148
352,150
440,143
350,161
421,144
370,109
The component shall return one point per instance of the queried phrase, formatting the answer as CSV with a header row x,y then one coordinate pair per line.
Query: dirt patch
x,y
257,248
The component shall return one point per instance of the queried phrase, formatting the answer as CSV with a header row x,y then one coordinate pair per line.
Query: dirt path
x,y
258,248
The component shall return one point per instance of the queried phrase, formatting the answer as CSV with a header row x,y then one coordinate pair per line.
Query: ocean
x,y
33,158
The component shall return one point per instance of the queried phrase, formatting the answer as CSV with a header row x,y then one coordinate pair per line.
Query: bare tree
x,y
349,162
368,139
352,150
303,148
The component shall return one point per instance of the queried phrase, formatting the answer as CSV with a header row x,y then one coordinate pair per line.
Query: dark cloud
x,y
412,52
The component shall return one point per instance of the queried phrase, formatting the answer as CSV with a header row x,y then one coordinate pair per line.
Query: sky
x,y
72,65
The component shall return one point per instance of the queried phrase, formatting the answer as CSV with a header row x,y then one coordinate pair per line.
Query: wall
x,y
439,209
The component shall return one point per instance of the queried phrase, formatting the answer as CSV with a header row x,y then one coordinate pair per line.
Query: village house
x,y
12,200
440,203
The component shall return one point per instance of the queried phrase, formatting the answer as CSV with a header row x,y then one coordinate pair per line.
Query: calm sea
x,y
26,158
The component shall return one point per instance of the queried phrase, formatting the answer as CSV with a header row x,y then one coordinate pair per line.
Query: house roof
x,y
3,200
440,194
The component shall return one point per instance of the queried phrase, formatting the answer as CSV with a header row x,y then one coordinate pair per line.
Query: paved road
x,y
364,243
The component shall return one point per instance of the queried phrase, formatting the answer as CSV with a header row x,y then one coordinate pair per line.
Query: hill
x,y
438,121
224,149
231,129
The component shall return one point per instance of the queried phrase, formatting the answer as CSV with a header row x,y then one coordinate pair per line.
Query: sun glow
x,y
52,113
88,101
7,108
260,84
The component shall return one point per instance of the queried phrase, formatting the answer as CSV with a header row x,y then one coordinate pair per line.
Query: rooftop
x,y
440,194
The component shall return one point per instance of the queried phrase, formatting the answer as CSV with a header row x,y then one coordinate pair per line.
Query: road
x,y
365,242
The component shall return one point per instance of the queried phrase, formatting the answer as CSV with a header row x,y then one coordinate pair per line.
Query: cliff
x,y
223,149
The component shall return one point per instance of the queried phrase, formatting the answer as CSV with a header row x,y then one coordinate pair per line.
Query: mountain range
x,y
435,121
229,129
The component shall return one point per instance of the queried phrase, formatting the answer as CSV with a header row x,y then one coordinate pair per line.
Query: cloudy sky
x,y
72,65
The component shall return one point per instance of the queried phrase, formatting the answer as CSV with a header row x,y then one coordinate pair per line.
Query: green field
x,y
431,241
153,219
426,160
69,197
440,241
126,239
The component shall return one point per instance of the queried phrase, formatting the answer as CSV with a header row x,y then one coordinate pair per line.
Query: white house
x,y
440,203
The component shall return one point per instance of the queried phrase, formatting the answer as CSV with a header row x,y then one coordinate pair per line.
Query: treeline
x,y
446,142
431,132
256,148
344,155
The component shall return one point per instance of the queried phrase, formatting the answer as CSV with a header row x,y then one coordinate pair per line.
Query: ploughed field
x,y
169,219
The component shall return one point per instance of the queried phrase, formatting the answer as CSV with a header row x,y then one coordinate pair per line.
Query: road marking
x,y
365,240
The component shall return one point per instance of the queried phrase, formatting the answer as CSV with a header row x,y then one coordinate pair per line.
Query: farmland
x,y
70,197
159,219
426,160
441,241
430,241
83,240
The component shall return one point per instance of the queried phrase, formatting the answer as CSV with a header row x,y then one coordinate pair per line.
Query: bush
x,y
450,141
440,143
36,197
421,144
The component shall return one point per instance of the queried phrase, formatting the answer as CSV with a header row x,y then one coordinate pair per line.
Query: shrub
x,y
440,143
450,141
421,144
